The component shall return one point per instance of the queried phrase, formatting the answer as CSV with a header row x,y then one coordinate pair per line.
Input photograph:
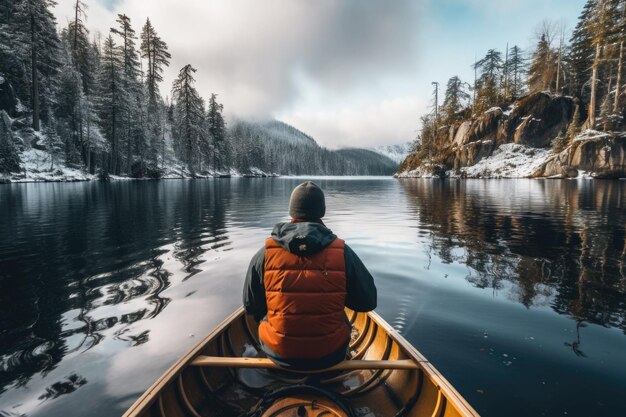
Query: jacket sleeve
x,y
253,289
361,291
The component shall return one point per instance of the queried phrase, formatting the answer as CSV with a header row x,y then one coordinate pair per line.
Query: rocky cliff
x,y
528,127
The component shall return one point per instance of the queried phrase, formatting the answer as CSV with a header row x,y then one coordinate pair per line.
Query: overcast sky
x,y
348,72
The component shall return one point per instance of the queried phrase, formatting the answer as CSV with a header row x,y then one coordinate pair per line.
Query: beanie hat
x,y
307,202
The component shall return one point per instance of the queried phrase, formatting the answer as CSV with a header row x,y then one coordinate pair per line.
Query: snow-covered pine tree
x,y
9,158
133,136
53,143
12,66
112,101
78,42
188,117
69,99
154,49
93,142
36,43
217,130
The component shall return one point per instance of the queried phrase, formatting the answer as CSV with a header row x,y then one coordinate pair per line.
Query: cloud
x,y
250,51
388,121
318,61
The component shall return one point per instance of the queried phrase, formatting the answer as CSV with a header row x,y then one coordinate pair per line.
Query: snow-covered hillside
x,y
396,153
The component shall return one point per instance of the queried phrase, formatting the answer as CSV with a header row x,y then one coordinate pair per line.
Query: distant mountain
x,y
275,147
369,161
282,131
396,153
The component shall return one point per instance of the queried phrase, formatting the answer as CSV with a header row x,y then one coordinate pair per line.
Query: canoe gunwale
x,y
450,393
447,393
152,393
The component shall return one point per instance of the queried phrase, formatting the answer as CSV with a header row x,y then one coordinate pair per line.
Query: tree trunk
x,y
150,77
618,86
35,78
558,71
506,72
76,26
591,121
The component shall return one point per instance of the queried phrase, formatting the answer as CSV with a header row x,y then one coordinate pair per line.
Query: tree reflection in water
x,y
95,280
561,243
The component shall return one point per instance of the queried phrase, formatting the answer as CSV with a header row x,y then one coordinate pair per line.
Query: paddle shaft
x,y
265,363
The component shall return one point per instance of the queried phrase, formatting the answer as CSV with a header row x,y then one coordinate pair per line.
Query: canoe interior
x,y
196,391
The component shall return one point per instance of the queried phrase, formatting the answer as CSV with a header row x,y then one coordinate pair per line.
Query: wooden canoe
x,y
385,376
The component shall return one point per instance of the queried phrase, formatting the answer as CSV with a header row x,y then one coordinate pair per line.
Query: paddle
x,y
348,365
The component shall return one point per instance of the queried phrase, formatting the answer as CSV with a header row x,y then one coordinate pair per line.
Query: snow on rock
x,y
508,111
591,134
509,161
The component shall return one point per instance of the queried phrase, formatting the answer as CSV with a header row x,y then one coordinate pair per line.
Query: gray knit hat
x,y
307,202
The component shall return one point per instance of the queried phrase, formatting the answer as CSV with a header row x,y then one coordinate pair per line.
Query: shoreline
x,y
7,181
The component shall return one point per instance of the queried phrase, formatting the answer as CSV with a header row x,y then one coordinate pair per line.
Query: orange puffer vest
x,y
305,302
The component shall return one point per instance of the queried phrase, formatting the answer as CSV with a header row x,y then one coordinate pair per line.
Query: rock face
x,y
8,101
486,126
533,121
473,152
603,157
462,133
538,118
606,158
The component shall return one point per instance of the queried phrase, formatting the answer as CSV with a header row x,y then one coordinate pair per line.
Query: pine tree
x,y
67,109
78,39
11,62
188,117
53,143
488,84
601,28
581,53
542,70
516,71
133,134
619,41
217,131
455,100
155,51
112,100
9,158
37,44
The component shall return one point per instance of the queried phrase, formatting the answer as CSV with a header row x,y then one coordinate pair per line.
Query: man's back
x,y
298,285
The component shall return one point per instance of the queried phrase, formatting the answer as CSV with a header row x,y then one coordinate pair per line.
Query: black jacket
x,y
360,288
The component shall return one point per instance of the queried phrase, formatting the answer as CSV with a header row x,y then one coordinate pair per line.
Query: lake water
x,y
514,289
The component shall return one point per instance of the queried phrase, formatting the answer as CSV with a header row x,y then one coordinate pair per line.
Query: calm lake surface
x,y
514,289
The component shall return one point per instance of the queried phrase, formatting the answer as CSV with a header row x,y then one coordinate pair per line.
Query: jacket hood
x,y
303,238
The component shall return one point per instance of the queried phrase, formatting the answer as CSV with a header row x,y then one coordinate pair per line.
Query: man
x,y
298,284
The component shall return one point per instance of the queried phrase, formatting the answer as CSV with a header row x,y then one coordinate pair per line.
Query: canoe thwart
x,y
265,363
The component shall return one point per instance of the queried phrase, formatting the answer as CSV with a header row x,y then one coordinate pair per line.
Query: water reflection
x,y
560,243
79,262
103,285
